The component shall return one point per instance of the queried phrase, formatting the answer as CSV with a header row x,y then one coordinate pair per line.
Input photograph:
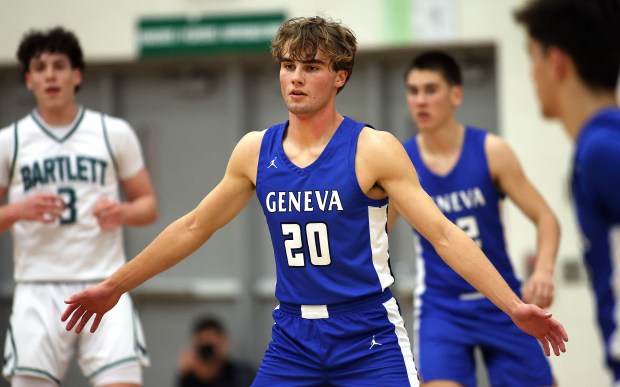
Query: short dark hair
x,y
208,323
588,31
54,40
303,37
439,61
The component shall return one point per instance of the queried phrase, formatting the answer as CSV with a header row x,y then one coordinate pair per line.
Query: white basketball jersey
x,y
82,167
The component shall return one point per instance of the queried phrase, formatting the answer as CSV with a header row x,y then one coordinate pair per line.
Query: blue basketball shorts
x,y
364,343
448,330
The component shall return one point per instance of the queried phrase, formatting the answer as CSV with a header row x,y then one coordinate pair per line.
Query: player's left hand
x,y
109,214
95,300
539,289
539,323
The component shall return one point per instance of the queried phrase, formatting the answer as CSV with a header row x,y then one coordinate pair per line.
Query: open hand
x,y
94,300
539,323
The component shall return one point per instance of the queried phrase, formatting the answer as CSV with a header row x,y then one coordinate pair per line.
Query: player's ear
x,y
456,94
341,78
77,77
27,81
561,62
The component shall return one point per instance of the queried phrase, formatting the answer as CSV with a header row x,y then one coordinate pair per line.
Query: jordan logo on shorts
x,y
373,343
273,163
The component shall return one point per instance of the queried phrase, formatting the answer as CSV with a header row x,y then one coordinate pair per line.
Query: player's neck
x,y
58,116
577,106
446,139
307,136
313,129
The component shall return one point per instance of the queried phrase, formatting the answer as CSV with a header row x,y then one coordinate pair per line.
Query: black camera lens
x,y
206,352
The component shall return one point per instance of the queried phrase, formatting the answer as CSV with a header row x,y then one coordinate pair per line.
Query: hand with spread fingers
x,y
96,300
539,323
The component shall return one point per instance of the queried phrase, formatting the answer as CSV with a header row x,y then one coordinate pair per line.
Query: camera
x,y
206,352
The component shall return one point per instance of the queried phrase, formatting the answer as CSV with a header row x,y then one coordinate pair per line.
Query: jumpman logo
x,y
273,163
373,342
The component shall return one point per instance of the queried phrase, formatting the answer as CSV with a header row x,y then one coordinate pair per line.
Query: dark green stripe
x,y
111,365
46,130
107,143
16,143
39,372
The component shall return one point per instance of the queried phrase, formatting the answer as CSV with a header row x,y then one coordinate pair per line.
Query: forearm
x,y
140,211
548,239
9,214
466,258
176,242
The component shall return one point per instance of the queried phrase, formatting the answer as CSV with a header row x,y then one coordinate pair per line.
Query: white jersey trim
x,y
377,220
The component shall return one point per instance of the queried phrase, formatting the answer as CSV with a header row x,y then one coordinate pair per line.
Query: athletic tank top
x,y
468,197
79,167
329,238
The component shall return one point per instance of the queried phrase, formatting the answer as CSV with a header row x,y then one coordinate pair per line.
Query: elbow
x,y
443,240
195,229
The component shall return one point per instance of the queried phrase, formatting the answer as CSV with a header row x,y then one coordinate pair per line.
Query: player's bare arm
x,y
382,162
180,239
511,179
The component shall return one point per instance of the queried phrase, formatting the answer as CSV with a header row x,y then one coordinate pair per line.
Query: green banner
x,y
207,35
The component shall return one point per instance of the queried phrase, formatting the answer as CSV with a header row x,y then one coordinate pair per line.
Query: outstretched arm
x,y
177,241
385,163
510,179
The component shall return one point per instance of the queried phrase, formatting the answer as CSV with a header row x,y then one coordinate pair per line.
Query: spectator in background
x,y
207,362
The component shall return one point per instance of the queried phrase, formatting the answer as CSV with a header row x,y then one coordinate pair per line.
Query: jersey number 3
x,y
317,243
70,214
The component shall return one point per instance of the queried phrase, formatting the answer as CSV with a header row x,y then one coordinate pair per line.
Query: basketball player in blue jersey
x,y
574,47
323,181
468,172
61,168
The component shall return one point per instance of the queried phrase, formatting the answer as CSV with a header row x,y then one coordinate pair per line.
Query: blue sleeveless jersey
x,y
468,197
596,192
329,238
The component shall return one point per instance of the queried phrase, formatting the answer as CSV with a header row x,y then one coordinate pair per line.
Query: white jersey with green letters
x,y
82,163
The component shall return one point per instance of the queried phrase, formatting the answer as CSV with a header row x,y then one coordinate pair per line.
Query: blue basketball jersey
x,y
469,198
329,238
596,191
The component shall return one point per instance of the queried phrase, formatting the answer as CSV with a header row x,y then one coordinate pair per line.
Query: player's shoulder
x,y
376,138
8,130
494,145
598,148
110,122
253,138
249,145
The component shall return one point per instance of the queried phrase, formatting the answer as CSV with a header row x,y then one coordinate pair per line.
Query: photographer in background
x,y
206,362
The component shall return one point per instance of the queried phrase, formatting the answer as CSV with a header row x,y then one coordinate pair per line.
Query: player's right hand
x,y
94,300
42,207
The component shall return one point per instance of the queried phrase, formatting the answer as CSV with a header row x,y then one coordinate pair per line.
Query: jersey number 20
x,y
316,240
